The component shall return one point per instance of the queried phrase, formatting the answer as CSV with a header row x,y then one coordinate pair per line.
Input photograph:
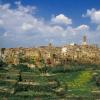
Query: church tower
x,y
84,42
49,44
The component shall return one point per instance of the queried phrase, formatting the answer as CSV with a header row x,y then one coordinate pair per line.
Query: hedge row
x,y
36,87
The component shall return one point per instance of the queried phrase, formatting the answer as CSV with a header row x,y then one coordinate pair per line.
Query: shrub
x,y
2,63
22,68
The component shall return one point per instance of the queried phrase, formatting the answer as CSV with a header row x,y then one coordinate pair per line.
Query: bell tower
x,y
84,42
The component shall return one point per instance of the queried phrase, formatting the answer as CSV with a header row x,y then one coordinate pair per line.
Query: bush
x,y
67,68
22,68
2,63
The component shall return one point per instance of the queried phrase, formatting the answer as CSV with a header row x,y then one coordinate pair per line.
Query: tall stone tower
x,y
84,42
49,45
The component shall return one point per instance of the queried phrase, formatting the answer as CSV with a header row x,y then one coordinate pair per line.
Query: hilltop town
x,y
70,72
51,55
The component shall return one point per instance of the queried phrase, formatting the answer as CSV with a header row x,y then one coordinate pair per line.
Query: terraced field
x,y
16,85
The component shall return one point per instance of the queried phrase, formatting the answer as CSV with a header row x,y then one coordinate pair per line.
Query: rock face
x,y
50,55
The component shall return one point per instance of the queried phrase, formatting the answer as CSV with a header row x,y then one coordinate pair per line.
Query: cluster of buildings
x,y
51,55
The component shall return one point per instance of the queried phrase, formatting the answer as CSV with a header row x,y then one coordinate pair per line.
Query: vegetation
x,y
71,81
2,63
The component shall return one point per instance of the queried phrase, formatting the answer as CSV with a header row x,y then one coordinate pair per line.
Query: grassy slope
x,y
78,83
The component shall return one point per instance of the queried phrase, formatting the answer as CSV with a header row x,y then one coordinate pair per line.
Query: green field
x,y
48,86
